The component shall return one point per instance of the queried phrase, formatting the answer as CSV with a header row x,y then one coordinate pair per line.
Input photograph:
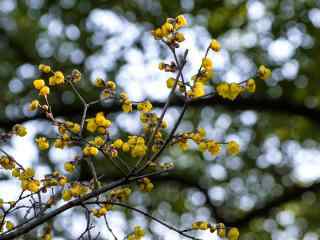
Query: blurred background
x,y
269,191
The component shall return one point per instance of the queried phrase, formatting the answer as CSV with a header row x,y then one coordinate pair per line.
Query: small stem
x,y
83,119
93,172
84,102
147,215
109,228
167,141
165,108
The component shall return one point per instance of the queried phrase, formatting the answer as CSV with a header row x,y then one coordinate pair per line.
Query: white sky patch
x,y
105,20
10,190
306,162
232,76
281,50
314,16
256,10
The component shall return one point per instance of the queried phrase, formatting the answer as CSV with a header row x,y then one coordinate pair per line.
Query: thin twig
x,y
147,215
109,228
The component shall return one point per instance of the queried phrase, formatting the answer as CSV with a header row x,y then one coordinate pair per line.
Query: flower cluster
x,y
169,34
76,189
168,31
204,144
42,143
145,185
109,87
137,234
102,210
57,78
220,228
232,90
19,130
99,123
135,146
126,103
55,179
120,194
27,180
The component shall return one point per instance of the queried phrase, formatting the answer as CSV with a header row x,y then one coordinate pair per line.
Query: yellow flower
x,y
251,86
69,167
234,91
170,82
221,230
39,83
200,225
9,225
146,185
215,45
127,106
198,89
166,28
183,144
202,132
75,189
223,90
98,141
145,106
125,147
27,173
34,105
33,185
100,82
207,63
56,79
91,125
213,147
19,130
6,162
138,231
203,146
42,143
59,143
118,143
47,236
157,33
233,234
59,77
15,172
44,68
90,151
229,91
102,211
66,195
179,37
111,85
101,121
181,21
75,128
264,72
44,91
233,148
138,150
62,180
76,75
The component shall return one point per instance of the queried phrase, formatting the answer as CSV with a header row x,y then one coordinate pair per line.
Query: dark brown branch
x,y
191,183
291,194
280,105
25,228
